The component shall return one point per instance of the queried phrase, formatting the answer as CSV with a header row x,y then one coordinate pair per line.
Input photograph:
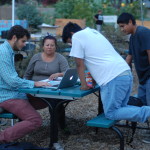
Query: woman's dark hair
x,y
125,18
50,37
19,31
70,27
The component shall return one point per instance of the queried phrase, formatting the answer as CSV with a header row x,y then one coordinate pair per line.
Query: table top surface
x,y
71,91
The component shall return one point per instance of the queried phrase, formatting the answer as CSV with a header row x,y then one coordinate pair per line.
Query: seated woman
x,y
47,64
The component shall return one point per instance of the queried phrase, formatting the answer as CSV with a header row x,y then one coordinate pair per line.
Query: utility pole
x,y
142,12
13,12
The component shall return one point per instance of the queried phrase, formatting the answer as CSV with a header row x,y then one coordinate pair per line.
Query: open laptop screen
x,y
69,79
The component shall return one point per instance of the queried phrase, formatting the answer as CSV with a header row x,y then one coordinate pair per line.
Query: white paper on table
x,y
53,82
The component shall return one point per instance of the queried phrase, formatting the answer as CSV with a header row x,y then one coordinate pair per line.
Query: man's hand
x,y
41,84
148,53
129,60
85,87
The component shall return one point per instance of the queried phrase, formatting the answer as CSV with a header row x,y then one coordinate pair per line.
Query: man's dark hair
x,y
19,31
125,18
70,27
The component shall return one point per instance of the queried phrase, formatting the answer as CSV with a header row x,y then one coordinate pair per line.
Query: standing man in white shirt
x,y
93,51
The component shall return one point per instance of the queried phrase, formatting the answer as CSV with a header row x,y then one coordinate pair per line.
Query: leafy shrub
x,y
73,9
30,13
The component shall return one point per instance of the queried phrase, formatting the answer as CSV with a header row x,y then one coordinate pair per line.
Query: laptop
x,y
69,79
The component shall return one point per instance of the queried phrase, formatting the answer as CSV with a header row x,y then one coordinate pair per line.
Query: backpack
x,y
20,146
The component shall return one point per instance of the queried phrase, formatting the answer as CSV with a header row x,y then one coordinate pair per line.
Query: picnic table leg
x,y
53,121
100,107
120,136
53,110
53,126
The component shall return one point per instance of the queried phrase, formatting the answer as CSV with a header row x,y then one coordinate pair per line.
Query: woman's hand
x,y
54,76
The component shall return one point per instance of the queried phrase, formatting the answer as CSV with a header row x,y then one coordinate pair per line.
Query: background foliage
x,y
75,9
86,9
30,13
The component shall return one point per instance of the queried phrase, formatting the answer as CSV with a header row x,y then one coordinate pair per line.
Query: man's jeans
x,y
144,92
30,119
115,96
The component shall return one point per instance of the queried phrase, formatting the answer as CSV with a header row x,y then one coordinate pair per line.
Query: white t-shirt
x,y
100,58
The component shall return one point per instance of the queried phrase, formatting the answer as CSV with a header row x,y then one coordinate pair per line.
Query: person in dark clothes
x,y
99,20
139,51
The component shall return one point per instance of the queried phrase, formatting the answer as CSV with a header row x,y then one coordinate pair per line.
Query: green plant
x,y
134,8
48,18
86,12
74,9
30,13
64,8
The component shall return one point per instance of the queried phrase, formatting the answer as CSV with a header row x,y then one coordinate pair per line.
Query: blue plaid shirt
x,y
10,82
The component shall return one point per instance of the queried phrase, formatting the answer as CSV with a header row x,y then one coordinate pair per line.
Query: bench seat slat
x,y
101,121
7,115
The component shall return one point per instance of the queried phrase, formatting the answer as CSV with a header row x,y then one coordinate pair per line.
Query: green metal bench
x,y
8,115
102,122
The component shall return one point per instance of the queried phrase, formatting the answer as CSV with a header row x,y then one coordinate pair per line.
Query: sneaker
x,y
146,140
57,146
